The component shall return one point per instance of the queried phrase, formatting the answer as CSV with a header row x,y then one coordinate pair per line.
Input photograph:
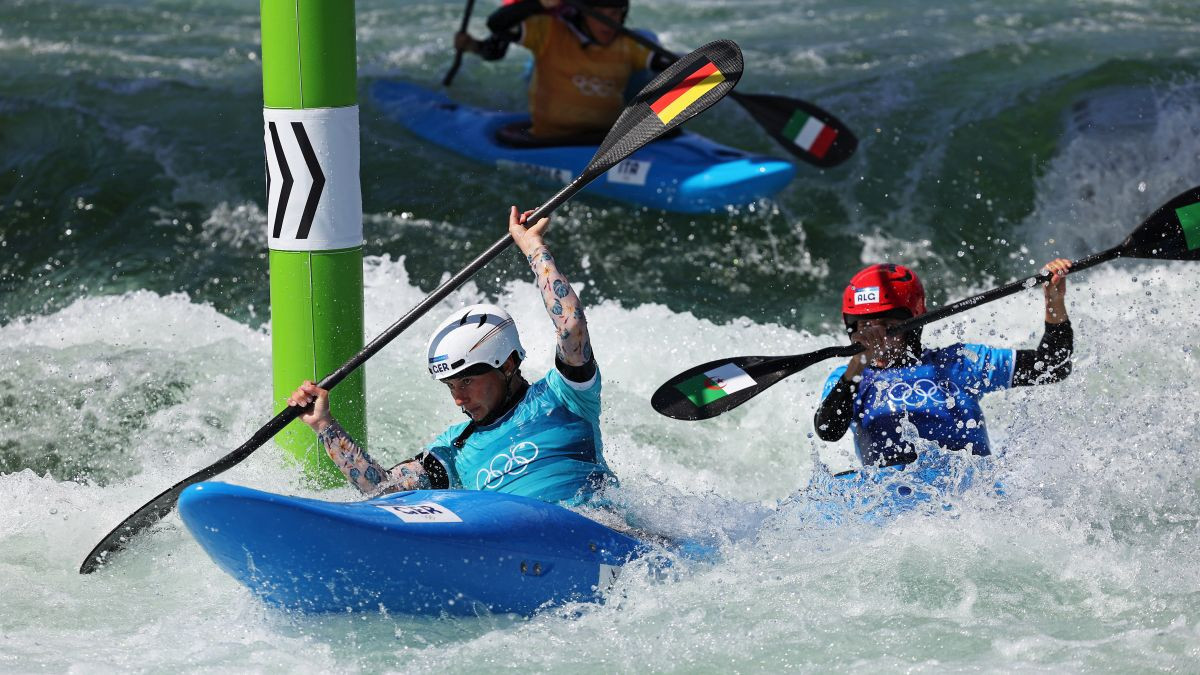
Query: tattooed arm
x,y
360,469
574,346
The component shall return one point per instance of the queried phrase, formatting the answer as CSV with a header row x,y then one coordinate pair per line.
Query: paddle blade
x,y
808,132
719,386
151,512
1170,233
154,510
688,87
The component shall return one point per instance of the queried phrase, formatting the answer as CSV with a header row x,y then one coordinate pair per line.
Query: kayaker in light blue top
x,y
539,440
936,390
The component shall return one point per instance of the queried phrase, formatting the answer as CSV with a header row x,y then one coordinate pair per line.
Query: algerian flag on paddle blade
x,y
715,384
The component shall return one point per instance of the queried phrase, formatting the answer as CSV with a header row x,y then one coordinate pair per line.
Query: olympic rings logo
x,y
594,86
514,462
921,392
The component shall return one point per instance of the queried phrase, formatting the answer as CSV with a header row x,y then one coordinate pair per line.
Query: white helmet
x,y
477,334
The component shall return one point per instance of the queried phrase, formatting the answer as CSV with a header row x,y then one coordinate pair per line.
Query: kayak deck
x,y
686,173
433,552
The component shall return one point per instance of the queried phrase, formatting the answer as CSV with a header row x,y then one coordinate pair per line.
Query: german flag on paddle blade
x,y
686,89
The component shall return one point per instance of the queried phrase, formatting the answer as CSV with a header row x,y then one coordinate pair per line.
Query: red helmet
x,y
882,289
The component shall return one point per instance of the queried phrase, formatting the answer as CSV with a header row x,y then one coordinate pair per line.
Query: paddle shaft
x,y
331,380
1169,233
801,361
1002,292
446,288
161,505
452,283
636,126
458,55
766,371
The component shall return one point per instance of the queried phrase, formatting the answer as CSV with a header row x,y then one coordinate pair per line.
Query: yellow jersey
x,y
576,88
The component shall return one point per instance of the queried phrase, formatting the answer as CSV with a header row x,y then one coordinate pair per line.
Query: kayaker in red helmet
x,y
936,390
580,65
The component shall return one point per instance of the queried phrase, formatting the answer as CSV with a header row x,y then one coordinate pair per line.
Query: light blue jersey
x,y
939,396
547,447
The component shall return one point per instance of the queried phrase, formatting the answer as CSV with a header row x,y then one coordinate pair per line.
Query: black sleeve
x,y
576,373
835,412
438,478
493,48
505,25
1050,362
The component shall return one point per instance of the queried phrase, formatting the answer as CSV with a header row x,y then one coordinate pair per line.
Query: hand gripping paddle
x,y
687,88
1170,233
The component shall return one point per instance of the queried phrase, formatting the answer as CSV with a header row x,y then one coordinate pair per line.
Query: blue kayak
x,y
433,552
686,173
467,552
877,495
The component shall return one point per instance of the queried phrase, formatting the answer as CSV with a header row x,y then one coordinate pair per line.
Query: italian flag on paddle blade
x,y
1189,222
810,133
715,384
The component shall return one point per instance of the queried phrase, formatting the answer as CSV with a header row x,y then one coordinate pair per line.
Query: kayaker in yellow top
x,y
580,65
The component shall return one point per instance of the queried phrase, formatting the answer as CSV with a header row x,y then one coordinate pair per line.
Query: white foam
x,y
1100,186
1100,470
138,319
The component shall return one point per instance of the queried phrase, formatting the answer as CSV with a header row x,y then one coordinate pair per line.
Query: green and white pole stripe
x,y
314,211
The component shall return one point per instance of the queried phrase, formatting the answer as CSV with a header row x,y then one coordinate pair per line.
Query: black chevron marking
x,y
318,182
286,190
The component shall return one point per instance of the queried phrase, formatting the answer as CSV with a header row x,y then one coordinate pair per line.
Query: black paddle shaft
x,y
637,126
458,52
765,371
161,505
1172,232
1162,236
451,284
1001,292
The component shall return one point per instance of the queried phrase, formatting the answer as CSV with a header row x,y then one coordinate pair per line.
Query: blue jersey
x,y
547,447
939,396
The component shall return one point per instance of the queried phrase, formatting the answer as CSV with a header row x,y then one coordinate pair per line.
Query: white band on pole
x,y
314,200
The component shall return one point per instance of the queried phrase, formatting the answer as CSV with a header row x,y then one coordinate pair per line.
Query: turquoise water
x,y
134,346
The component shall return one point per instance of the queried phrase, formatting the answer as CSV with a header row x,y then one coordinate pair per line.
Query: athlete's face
x,y
602,33
882,349
478,395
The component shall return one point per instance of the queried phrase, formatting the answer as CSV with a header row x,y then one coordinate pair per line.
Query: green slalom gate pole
x,y
314,212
